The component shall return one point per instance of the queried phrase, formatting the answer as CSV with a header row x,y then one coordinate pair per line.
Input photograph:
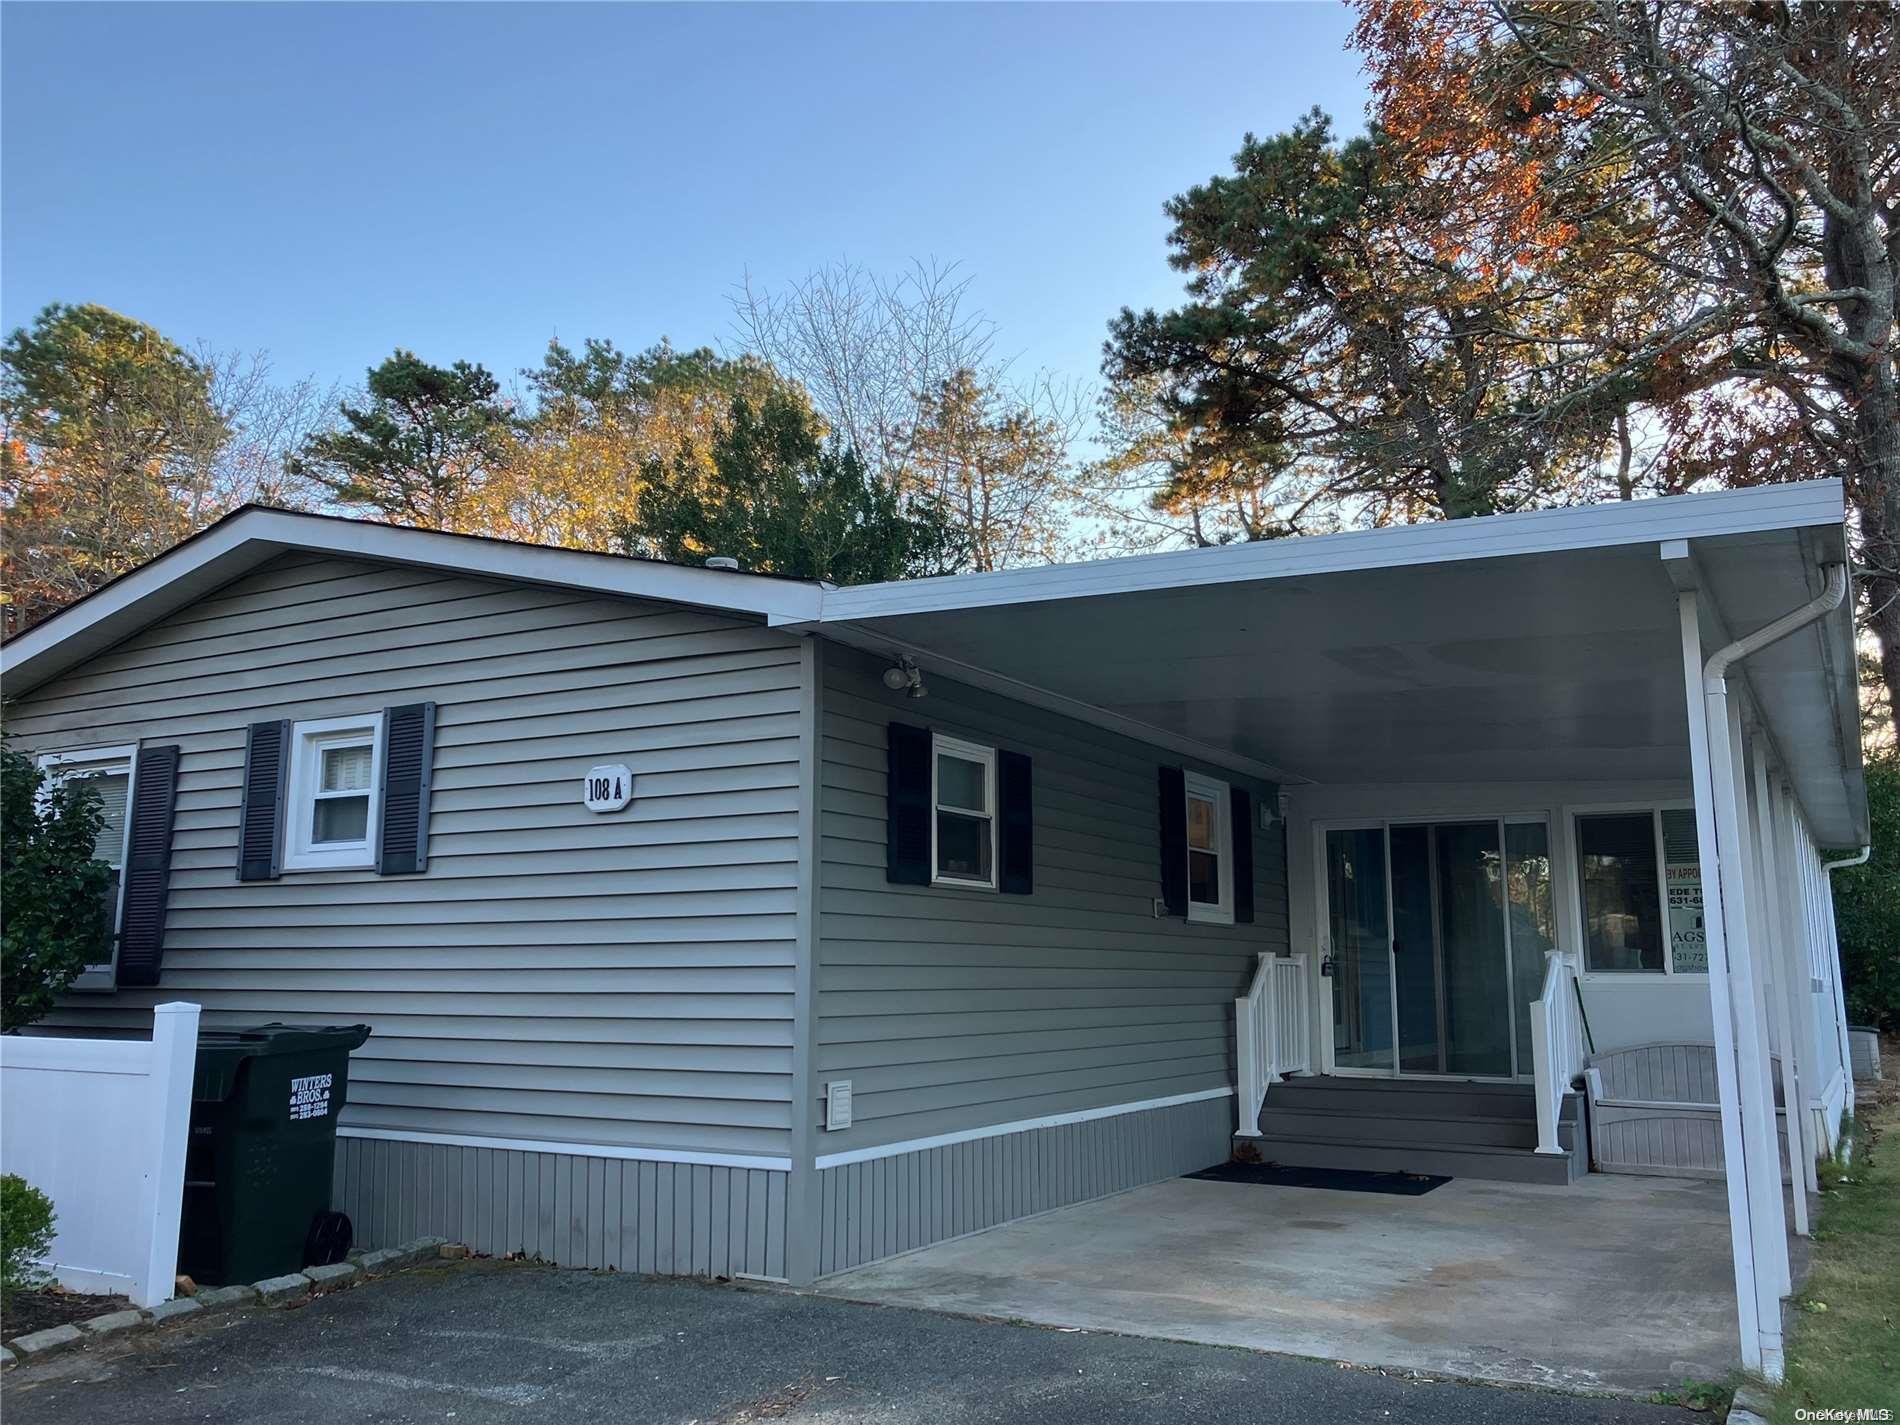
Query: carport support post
x,y
1780,959
1750,958
1741,1235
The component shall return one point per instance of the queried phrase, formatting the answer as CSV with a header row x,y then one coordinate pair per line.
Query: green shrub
x,y
57,896
1867,907
26,1234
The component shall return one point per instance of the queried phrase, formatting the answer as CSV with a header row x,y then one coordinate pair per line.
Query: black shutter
x,y
260,824
408,761
1174,879
1016,809
1242,815
907,806
148,866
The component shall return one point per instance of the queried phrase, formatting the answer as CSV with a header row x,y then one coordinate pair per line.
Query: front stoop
x,y
1435,1126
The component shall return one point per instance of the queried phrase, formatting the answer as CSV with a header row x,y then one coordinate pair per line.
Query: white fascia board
x,y
1678,517
241,542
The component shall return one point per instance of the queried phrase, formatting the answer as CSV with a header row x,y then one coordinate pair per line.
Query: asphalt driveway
x,y
480,1342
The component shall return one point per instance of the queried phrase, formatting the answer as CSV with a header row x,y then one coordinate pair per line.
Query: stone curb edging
x,y
272,1291
1750,1407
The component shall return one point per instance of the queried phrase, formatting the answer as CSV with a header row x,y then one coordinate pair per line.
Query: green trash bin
x,y
264,1106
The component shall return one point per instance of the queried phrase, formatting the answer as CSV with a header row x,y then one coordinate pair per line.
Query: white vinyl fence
x,y
99,1126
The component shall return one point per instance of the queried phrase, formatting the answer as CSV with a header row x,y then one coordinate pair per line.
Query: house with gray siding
x,y
711,923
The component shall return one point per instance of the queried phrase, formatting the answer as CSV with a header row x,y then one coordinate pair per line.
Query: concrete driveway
x,y
1615,1283
481,1343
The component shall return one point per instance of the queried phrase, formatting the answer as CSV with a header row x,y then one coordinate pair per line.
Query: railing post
x,y
1243,1065
1269,1020
1540,1063
174,1057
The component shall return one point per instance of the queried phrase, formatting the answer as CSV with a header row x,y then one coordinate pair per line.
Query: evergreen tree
x,y
421,449
108,427
774,493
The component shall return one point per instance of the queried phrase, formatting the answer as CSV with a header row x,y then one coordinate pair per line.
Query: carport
x,y
1549,669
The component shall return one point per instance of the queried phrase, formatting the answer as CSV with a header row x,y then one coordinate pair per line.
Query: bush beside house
x,y
57,896
26,1234
1867,907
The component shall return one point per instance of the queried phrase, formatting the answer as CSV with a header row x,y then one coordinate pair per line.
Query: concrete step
x,y
1278,1120
1412,1098
1514,1165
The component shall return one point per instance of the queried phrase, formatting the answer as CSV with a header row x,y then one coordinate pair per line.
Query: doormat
x,y
1328,1179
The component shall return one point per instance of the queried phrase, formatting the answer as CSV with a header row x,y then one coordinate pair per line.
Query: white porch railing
x,y
1272,1033
99,1126
1556,1045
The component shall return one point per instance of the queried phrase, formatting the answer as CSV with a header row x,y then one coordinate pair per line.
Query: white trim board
x,y
1021,1125
1796,505
577,1150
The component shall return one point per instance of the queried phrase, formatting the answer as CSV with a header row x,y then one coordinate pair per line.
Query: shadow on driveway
x,y
481,1342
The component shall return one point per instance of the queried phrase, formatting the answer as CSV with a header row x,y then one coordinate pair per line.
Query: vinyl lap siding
x,y
621,980
952,1010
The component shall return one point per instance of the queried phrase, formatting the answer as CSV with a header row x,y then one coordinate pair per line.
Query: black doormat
x,y
1330,1179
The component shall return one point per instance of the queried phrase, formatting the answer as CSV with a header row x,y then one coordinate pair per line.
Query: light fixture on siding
x,y
905,677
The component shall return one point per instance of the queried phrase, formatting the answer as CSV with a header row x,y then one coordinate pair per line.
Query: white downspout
x,y
1825,602
1760,1160
1859,858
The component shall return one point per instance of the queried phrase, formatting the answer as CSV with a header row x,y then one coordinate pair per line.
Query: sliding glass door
x,y
1437,934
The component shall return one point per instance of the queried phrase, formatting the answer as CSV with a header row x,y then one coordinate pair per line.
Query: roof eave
x,y
247,538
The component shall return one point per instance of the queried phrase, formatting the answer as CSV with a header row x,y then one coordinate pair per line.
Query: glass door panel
x,y
1415,952
1532,925
1476,990
1361,948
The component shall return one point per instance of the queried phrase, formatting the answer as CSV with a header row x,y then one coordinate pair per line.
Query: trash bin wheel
x,y
329,1239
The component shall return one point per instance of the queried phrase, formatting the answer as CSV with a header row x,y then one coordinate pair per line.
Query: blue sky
x,y
328,182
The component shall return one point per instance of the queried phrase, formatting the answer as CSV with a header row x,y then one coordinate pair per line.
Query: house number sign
x,y
608,787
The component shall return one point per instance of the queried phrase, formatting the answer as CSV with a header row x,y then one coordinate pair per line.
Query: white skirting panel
x,y
576,1210
882,1206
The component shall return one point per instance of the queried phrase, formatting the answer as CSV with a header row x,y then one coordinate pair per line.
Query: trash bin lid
x,y
221,1052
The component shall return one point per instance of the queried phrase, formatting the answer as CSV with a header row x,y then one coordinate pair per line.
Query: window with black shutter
x,y
960,814
338,794
146,883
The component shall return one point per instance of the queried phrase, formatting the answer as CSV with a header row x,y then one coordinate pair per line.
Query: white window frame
x,y
307,743
968,752
1655,808
84,761
1221,795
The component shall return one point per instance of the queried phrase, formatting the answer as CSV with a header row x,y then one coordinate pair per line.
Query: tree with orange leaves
x,y
1353,350
1752,155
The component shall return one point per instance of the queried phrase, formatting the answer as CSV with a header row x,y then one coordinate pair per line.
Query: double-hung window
x,y
336,766
108,771
1210,850
963,814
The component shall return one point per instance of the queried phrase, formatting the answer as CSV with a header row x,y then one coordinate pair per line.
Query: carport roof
x,y
1538,646
1528,647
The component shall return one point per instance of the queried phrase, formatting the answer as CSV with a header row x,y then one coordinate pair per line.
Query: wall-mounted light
x,y
905,677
